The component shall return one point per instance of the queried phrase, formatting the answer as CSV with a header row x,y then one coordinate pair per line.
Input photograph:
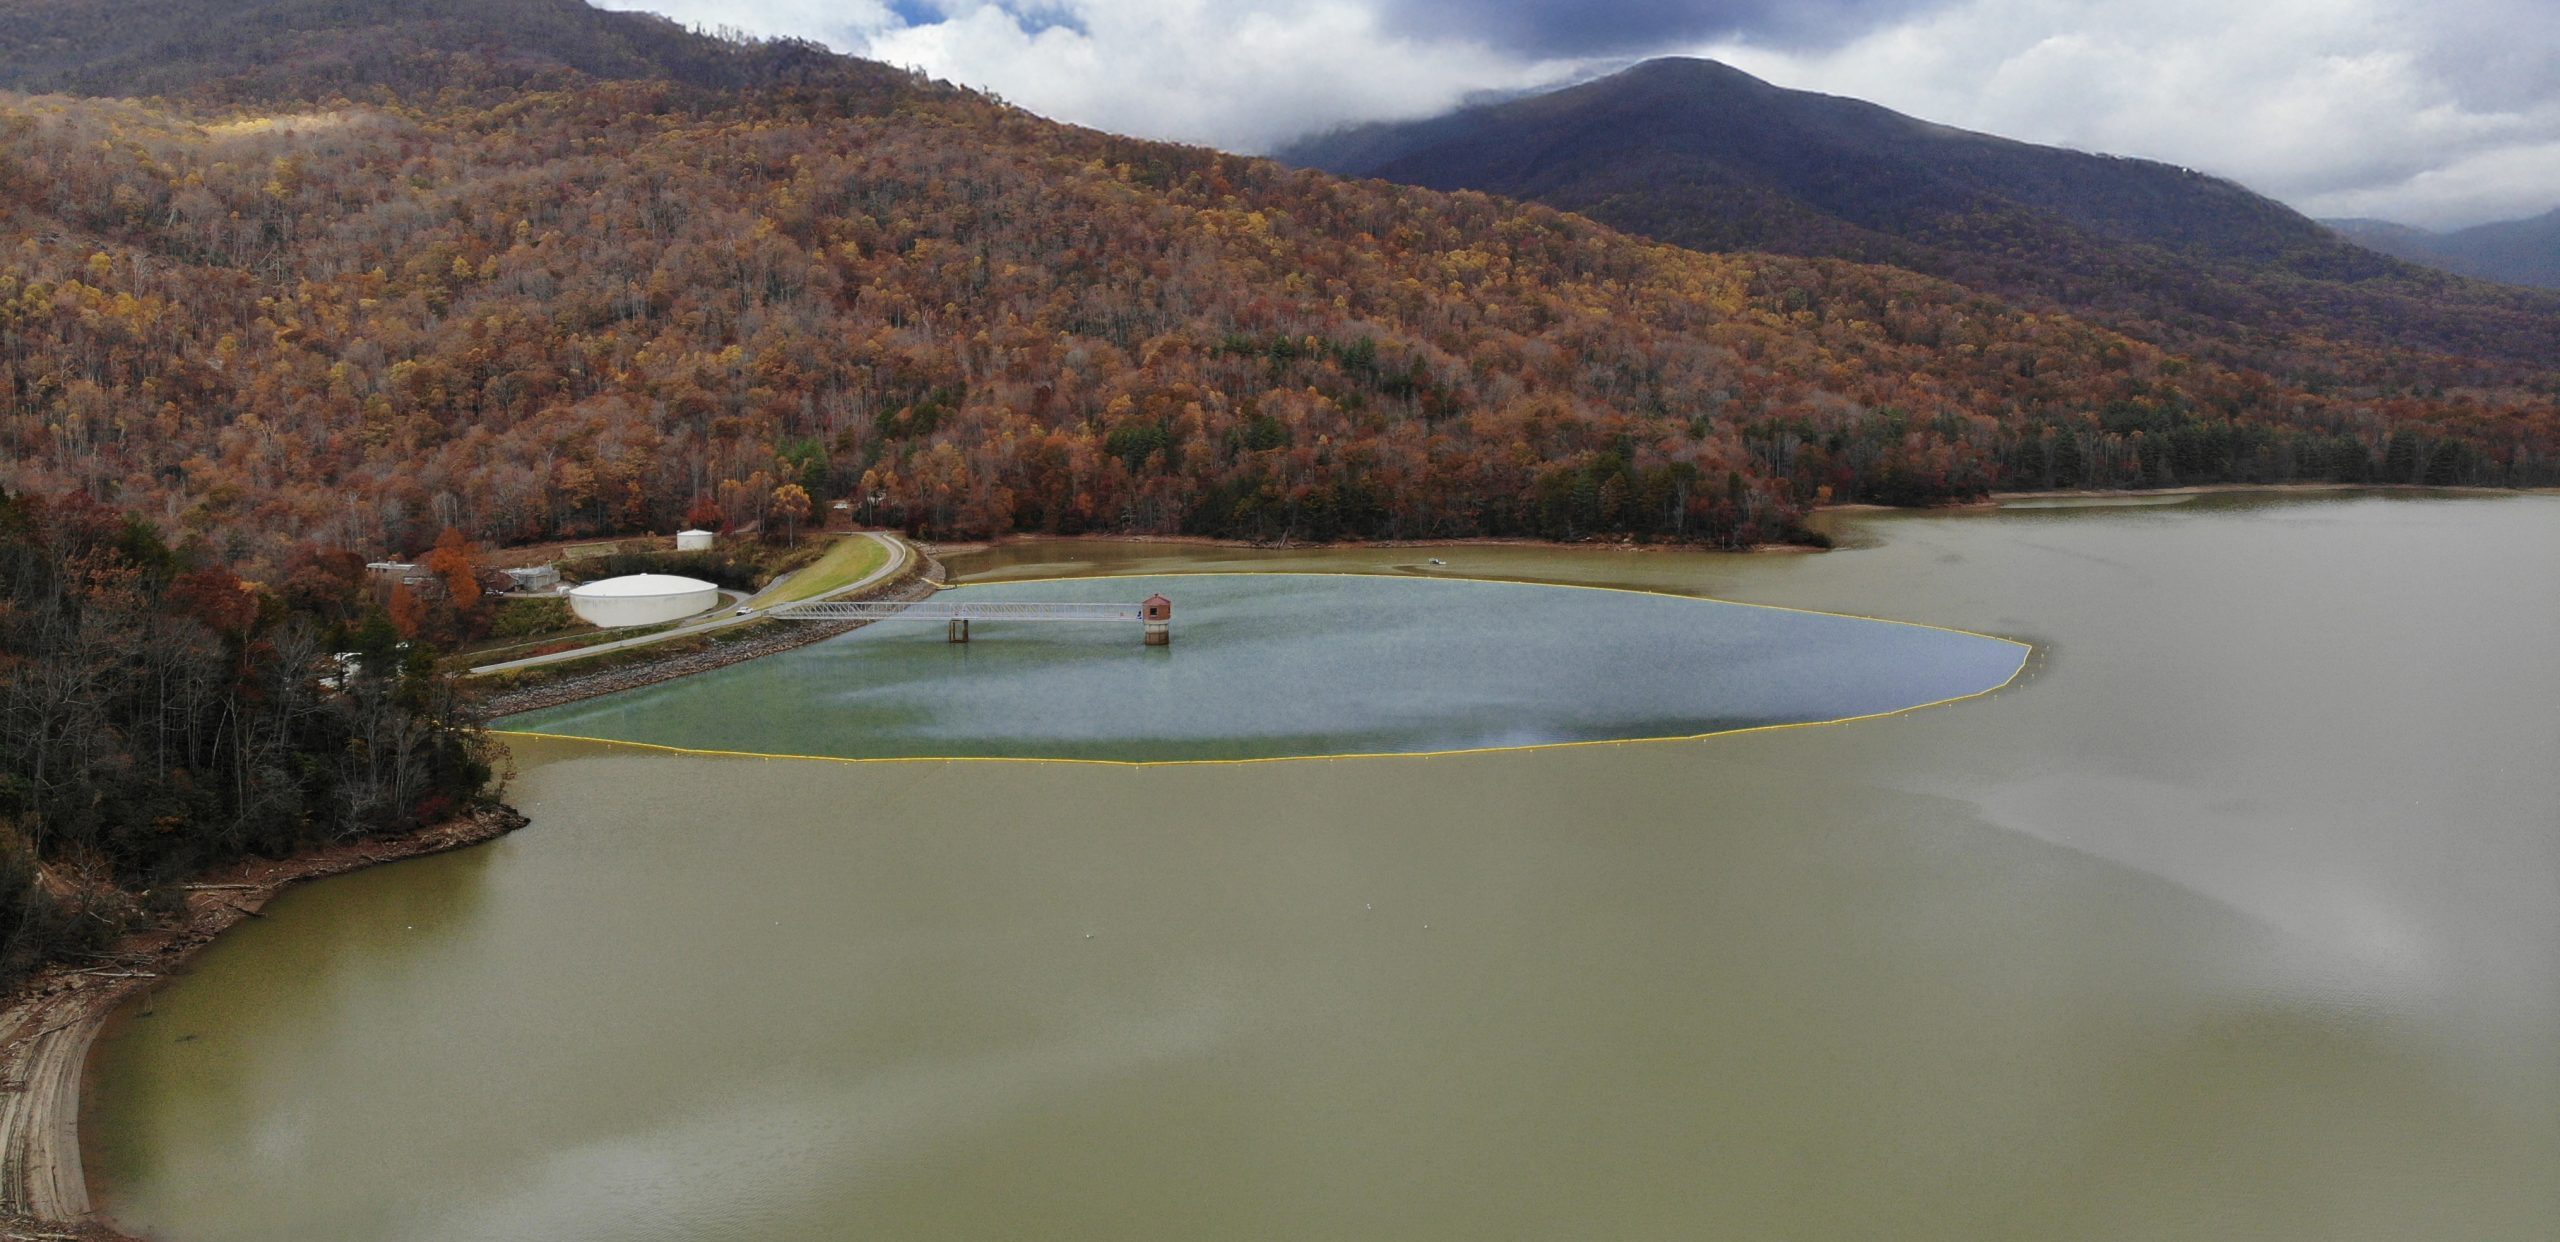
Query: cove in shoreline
x,y
49,1022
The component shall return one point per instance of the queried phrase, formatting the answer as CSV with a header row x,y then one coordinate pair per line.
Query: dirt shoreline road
x,y
48,1023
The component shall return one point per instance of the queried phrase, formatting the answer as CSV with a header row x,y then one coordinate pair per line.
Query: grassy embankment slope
x,y
851,559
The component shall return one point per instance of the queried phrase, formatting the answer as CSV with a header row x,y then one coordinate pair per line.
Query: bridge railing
x,y
932,610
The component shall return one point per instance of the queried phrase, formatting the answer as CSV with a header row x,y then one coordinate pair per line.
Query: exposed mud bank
x,y
48,1023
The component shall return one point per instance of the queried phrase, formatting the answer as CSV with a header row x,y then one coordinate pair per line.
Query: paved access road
x,y
726,616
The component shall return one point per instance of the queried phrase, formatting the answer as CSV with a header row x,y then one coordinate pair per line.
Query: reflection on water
x,y
1271,665
2240,918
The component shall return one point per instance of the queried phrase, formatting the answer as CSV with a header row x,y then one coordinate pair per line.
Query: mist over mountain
x,y
2518,252
1705,156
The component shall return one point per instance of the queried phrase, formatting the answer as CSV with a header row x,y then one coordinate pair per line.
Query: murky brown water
x,y
2239,917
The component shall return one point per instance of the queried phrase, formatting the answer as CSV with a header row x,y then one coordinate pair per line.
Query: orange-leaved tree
x,y
791,502
457,563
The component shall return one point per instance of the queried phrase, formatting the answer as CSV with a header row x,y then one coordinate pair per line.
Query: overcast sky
x,y
2433,112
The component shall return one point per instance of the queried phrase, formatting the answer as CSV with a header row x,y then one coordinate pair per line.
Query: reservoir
x,y
2236,914
1275,665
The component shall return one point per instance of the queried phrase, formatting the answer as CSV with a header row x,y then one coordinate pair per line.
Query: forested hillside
x,y
1706,156
160,715
571,306
265,50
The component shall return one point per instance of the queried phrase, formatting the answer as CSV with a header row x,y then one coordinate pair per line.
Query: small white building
x,y
537,578
397,571
641,599
694,540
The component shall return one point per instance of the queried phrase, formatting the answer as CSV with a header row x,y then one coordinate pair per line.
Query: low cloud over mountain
x,y
2439,112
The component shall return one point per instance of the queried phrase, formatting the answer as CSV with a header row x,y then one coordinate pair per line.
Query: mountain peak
x,y
1686,69
1701,154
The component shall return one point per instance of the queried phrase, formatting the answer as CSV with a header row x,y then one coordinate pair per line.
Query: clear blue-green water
x,y
1270,665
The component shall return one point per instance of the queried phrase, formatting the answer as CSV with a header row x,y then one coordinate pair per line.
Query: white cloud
x,y
2336,106
1244,75
2501,183
2436,112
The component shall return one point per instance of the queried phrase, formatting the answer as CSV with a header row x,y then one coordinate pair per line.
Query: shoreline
x,y
2230,489
964,547
1990,500
49,1022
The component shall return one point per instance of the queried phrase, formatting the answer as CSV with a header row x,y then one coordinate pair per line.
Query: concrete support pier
x,y
958,630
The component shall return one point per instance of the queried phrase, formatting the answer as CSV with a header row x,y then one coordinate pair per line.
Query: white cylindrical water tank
x,y
641,599
693,540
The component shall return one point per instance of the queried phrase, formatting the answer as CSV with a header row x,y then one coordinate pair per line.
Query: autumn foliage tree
x,y
160,714
456,566
406,610
791,504
553,307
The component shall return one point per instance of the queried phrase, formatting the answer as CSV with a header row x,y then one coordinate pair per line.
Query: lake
x,y
2235,915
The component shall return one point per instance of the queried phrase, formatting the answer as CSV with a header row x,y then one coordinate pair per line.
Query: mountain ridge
x,y
235,51
2516,252
1703,155
504,296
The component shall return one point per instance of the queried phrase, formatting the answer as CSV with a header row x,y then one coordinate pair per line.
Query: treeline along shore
x,y
178,742
161,716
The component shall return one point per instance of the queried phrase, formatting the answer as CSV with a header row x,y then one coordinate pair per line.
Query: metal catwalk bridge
x,y
1154,614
